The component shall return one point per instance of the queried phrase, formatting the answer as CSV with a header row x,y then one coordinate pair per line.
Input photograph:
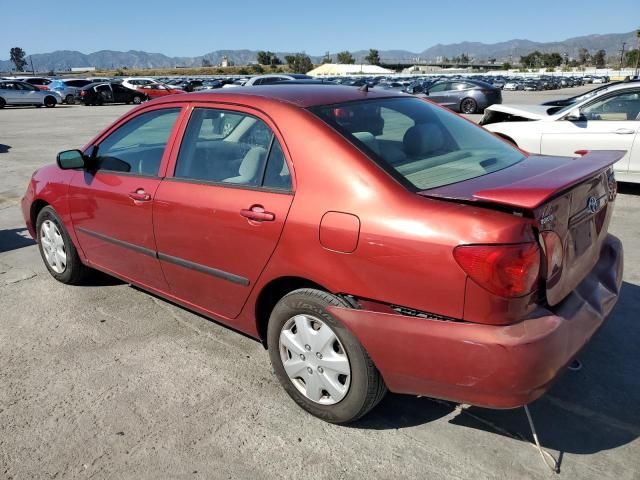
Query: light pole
x,y
622,54
637,52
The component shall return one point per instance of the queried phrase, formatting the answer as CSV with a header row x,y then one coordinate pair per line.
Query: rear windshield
x,y
421,145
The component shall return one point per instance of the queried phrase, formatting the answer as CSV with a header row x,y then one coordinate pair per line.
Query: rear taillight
x,y
554,253
82,93
504,270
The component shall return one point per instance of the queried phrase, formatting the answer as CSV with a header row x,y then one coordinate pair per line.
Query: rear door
x,y
218,218
608,123
111,203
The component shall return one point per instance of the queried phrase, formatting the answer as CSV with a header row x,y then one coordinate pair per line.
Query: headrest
x,y
368,139
423,139
251,162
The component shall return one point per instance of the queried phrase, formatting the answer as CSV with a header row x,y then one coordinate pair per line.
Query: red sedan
x,y
371,240
158,90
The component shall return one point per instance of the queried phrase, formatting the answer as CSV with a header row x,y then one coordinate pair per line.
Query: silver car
x,y
14,92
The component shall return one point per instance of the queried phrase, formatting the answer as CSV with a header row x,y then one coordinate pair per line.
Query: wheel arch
x,y
271,293
36,207
507,138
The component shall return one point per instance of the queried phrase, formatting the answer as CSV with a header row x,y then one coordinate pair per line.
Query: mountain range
x,y
503,51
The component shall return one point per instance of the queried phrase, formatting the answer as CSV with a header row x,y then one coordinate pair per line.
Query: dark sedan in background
x,y
463,95
98,93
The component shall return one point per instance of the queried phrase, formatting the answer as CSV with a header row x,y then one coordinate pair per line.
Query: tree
x,y
583,56
327,58
257,68
267,58
345,58
299,63
506,66
374,57
551,60
206,62
17,57
631,58
599,58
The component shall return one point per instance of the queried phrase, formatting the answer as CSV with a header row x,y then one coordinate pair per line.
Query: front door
x,y
608,123
218,219
111,203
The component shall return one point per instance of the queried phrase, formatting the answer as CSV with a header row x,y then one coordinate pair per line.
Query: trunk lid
x,y
569,196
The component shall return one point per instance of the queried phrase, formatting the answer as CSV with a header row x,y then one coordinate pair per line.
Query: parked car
x,y
134,82
15,92
275,77
100,93
464,95
158,90
69,88
610,120
40,83
363,237
583,96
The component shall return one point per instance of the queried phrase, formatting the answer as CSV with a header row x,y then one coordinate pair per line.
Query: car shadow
x,y
629,188
14,238
4,148
590,410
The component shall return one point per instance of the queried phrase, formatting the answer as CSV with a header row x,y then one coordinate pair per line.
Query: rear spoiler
x,y
531,190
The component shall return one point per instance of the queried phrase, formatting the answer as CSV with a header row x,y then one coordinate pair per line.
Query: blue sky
x,y
195,27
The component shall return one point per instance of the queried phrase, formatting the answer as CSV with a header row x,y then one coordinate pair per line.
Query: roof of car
x,y
303,96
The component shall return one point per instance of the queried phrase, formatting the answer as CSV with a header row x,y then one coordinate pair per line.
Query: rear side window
x,y
138,145
421,145
231,147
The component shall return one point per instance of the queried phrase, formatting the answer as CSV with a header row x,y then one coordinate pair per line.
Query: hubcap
x,y
314,359
53,247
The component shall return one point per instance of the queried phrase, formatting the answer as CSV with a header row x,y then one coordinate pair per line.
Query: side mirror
x,y
574,115
70,159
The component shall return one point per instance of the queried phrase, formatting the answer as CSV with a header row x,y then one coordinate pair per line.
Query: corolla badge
x,y
593,204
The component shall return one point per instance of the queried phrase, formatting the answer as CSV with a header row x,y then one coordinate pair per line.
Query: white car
x,y
610,120
138,82
15,92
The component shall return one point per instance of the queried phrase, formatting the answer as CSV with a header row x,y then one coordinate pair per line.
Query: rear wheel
x,y
318,361
50,102
70,100
57,250
468,106
2,103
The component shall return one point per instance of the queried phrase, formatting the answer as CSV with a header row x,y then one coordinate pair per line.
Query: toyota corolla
x,y
370,239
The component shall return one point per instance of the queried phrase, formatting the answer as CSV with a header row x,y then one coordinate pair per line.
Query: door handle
x,y
140,195
258,214
625,131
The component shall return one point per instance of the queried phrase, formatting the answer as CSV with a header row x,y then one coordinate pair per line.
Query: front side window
x,y
231,147
421,145
621,107
440,87
138,145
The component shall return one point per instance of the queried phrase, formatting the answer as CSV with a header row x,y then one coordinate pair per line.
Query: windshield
x,y
420,144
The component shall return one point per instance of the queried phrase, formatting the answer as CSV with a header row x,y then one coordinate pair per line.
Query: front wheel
x,y
468,106
57,250
319,362
70,100
50,102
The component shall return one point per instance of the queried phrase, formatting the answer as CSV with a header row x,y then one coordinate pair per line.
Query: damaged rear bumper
x,y
488,365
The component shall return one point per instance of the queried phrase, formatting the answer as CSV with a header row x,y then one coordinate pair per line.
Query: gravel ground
x,y
107,381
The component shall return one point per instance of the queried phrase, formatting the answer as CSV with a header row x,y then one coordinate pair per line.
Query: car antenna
x,y
364,88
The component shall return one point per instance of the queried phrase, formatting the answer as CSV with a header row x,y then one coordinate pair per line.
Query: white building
x,y
337,69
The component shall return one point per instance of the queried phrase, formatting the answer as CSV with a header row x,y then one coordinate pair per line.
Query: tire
x,y
70,100
2,103
353,394
50,102
137,100
51,234
468,106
